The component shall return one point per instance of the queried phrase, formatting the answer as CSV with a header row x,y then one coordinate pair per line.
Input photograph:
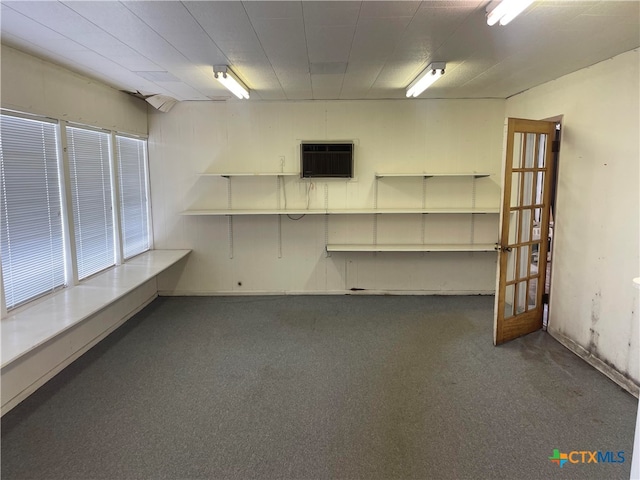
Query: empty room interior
x,y
320,239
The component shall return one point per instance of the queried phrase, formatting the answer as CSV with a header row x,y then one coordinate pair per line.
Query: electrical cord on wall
x,y
284,191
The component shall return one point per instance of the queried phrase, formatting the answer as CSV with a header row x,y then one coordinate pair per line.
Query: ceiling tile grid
x,y
306,50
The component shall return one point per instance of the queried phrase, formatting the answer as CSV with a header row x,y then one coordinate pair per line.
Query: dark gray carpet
x,y
318,387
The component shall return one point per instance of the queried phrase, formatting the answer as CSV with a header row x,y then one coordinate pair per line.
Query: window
x,y
90,171
133,195
31,234
58,208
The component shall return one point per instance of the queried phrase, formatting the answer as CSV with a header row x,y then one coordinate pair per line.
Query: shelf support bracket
x,y
473,206
423,217
375,215
229,218
326,220
279,186
424,206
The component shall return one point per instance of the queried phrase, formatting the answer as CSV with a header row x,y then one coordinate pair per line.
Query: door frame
x,y
553,202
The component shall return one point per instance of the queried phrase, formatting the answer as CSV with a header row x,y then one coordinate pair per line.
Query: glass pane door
x,y
523,243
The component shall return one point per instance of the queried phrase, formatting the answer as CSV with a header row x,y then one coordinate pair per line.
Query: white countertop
x,y
35,325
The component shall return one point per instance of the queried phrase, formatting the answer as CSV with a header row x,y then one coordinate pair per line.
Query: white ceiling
x,y
319,49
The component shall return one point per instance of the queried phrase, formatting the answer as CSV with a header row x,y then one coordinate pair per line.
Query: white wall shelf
x,y
239,211
423,247
431,175
278,211
250,174
411,248
230,211
347,211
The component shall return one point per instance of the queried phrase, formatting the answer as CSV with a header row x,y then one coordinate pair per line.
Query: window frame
x,y
79,202
68,231
147,187
45,294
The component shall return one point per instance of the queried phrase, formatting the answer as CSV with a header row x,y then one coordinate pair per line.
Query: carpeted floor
x,y
317,387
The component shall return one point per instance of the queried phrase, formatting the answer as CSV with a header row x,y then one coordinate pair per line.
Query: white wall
x,y
391,136
35,86
593,306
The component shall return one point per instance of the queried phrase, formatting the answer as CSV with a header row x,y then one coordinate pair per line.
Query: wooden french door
x,y
524,229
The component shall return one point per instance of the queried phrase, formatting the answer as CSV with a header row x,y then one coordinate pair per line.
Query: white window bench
x,y
30,329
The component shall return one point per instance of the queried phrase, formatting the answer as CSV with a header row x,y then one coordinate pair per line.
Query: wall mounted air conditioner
x,y
326,159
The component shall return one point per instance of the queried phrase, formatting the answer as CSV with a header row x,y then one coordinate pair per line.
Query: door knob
x,y
499,248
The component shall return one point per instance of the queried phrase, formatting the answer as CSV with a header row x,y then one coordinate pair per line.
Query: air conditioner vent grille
x,y
326,159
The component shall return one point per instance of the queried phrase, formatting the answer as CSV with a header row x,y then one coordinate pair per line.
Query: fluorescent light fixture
x,y
227,78
429,75
506,11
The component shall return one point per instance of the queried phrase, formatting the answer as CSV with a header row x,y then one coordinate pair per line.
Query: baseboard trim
x,y
227,293
621,380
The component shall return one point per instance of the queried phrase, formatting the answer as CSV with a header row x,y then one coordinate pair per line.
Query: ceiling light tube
x,y
226,77
426,78
506,11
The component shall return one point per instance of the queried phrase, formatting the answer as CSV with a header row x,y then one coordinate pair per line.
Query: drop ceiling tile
x,y
158,76
116,20
295,84
628,10
585,21
15,23
331,13
96,62
181,91
270,94
353,93
385,93
326,86
556,13
54,15
452,4
359,79
239,43
430,28
179,28
283,40
226,23
376,38
328,68
273,10
164,17
280,29
329,44
388,9
197,49
57,17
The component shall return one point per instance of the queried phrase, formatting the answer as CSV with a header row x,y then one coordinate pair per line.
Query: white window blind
x,y
89,166
133,195
31,239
